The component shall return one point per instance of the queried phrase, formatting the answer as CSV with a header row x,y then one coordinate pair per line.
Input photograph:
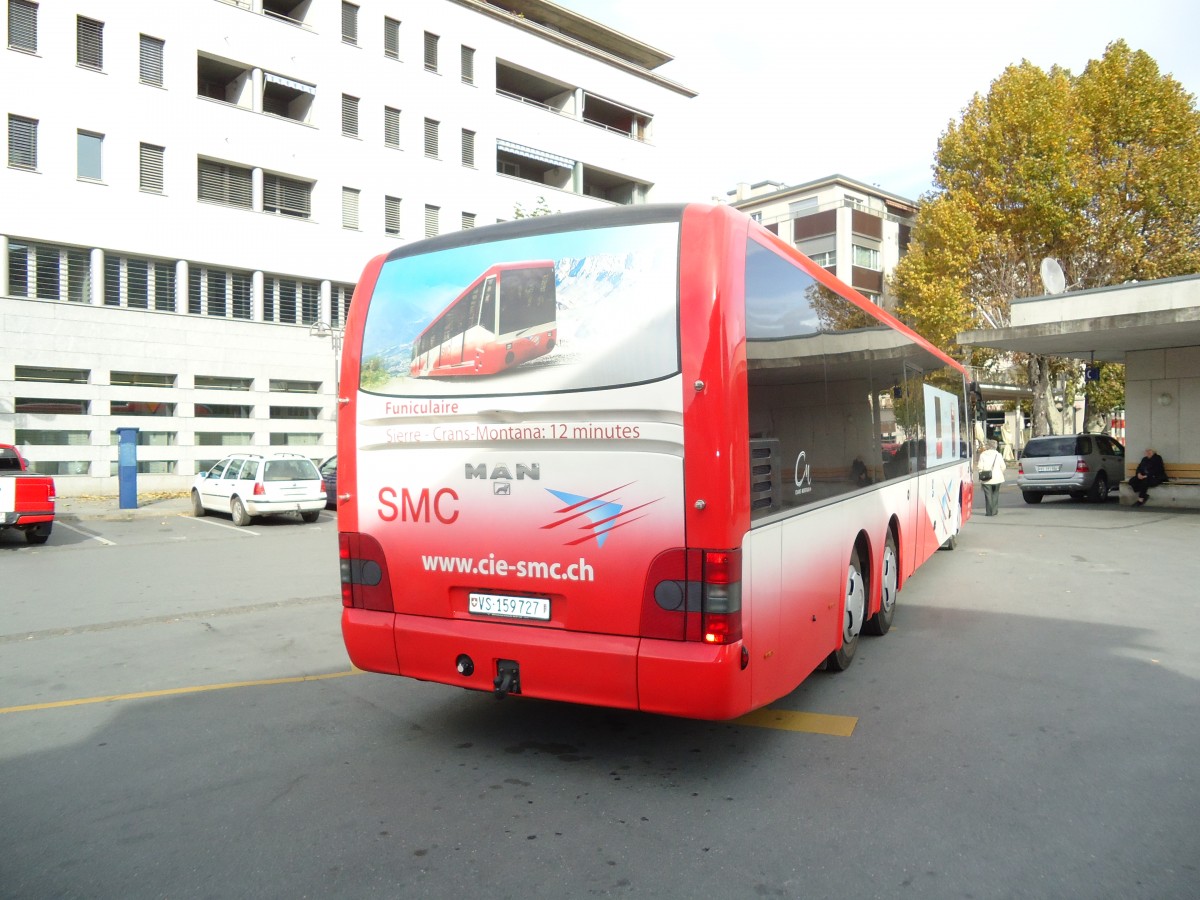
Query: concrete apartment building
x,y
192,189
856,231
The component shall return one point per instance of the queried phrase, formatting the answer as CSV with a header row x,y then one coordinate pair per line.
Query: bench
x,y
1182,490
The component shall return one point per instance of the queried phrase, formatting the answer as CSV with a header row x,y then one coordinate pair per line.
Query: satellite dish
x,y
1052,276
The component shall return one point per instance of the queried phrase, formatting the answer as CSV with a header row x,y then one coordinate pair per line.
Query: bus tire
x,y
889,590
854,607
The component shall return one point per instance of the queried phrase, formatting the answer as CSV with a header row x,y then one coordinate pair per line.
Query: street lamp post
x,y
325,330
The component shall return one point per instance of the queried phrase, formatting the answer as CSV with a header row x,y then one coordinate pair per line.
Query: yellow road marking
x,y
812,723
170,692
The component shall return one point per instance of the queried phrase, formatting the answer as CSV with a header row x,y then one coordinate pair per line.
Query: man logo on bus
x,y
602,516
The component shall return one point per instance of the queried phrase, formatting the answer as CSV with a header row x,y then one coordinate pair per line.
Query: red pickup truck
x,y
26,499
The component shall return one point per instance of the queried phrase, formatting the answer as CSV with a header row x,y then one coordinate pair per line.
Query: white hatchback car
x,y
247,485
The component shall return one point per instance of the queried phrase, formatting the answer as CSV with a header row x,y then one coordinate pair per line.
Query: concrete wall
x,y
1162,395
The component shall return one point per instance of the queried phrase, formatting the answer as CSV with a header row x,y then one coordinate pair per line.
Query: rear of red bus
x,y
535,531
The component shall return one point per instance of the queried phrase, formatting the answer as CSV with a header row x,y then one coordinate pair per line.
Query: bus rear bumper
x,y
674,678
697,681
370,640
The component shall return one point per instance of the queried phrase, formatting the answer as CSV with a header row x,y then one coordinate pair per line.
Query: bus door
x,y
916,450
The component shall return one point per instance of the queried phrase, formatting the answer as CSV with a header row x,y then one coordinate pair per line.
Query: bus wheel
x,y
881,622
853,610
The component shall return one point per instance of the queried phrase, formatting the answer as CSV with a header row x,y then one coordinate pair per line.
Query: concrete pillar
x,y
256,282
577,178
96,281
256,189
256,79
325,313
181,286
579,104
3,265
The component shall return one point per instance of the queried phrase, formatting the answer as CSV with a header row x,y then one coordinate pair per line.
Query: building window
x,y
287,439
141,408
349,115
391,127
223,439
142,379
283,386
295,412
223,383
50,375
22,25
468,220
220,293
150,168
56,406
391,215
431,52
39,437
22,142
48,272
224,184
468,64
431,138
89,43
826,259
291,302
349,24
468,148
150,62
866,257
139,283
340,296
802,207
391,38
224,411
350,208
88,158
287,196
431,221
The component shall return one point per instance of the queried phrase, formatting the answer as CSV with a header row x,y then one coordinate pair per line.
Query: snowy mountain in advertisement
x,y
598,296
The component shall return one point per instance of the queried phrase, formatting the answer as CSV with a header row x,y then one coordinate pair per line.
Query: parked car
x,y
329,476
26,499
1081,465
246,485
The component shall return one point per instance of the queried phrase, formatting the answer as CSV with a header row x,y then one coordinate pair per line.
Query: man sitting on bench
x,y
1151,472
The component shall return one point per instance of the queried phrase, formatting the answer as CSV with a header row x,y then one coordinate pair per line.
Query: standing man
x,y
991,476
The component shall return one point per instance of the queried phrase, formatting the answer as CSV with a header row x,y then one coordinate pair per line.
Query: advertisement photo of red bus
x,y
721,484
506,317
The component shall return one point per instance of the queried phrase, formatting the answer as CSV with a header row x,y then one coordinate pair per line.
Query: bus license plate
x,y
509,607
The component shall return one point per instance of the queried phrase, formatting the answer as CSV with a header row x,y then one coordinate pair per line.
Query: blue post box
x,y
127,441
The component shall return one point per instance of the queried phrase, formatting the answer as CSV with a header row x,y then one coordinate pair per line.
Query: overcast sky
x,y
792,91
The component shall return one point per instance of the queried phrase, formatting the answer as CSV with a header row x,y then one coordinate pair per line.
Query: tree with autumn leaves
x,y
1100,171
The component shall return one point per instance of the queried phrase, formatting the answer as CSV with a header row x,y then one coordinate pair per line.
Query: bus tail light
x,y
721,597
365,582
694,595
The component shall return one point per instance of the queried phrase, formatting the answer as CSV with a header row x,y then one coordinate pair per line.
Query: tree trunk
x,y
1039,384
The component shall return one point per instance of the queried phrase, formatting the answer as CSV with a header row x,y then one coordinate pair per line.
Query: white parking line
x,y
95,537
207,521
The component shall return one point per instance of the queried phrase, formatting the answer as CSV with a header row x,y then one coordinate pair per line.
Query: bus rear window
x,y
538,314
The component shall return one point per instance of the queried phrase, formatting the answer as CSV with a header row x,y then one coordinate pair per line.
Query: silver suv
x,y
1081,465
247,485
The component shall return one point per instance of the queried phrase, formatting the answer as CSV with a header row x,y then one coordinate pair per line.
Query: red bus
x,y
504,318
723,481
